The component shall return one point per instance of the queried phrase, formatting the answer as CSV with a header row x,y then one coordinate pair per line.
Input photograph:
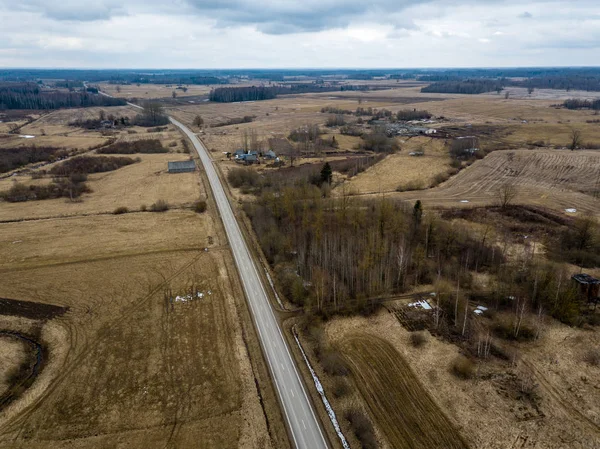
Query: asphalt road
x,y
302,421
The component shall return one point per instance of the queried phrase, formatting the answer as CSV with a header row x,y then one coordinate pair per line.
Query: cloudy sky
x,y
303,33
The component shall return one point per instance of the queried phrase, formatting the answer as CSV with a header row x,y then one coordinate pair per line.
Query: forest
x,y
575,103
31,96
464,87
256,93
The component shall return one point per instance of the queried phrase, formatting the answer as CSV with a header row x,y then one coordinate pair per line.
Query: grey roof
x,y
583,278
182,165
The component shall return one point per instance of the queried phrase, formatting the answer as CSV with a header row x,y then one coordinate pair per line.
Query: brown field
x,y
486,411
129,364
557,179
400,405
142,183
149,91
402,170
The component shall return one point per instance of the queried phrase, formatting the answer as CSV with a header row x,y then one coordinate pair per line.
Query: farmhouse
x,y
589,287
182,166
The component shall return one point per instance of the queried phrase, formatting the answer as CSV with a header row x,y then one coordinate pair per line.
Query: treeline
x,y
30,96
256,93
72,187
575,103
91,164
143,146
464,87
12,158
235,94
330,255
577,82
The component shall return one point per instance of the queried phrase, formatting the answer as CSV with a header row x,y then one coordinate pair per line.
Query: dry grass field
x,y
486,411
153,349
150,91
557,179
401,170
395,396
133,186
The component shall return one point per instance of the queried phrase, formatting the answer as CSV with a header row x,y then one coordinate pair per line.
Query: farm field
x,y
152,340
485,412
557,179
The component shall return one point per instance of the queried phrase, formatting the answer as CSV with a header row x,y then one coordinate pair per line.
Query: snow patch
x,y
189,298
571,210
26,136
273,288
479,310
330,411
422,303
464,201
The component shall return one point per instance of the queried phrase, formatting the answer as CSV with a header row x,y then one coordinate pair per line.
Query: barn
x,y
182,166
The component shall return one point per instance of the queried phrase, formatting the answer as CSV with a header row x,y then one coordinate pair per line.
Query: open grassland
x,y
150,91
402,408
489,411
152,349
403,171
557,179
142,183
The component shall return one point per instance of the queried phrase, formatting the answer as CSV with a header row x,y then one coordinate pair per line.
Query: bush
x,y
160,206
335,120
120,210
333,363
200,206
340,388
143,208
463,368
418,339
378,142
592,357
363,429
243,177
78,177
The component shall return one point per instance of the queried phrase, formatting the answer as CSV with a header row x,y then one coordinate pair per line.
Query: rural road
x,y
302,421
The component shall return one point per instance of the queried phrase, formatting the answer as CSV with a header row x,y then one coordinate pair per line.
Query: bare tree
x,y
198,121
576,139
530,90
174,94
118,89
506,95
506,194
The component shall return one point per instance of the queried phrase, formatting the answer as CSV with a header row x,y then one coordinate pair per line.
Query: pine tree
x,y
326,173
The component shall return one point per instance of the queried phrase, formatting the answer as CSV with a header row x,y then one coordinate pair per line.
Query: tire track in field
x,y
17,424
401,406
557,397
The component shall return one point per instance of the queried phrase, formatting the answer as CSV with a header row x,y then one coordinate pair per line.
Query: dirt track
x,y
402,408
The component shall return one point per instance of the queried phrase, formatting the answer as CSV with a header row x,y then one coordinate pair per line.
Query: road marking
x,y
303,425
292,391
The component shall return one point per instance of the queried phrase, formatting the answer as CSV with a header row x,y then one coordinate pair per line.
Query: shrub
x,y
78,177
200,206
246,177
378,142
362,427
143,208
160,206
340,388
592,357
335,120
333,363
120,210
418,339
463,368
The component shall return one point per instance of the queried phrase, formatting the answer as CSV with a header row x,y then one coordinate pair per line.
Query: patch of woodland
x,y
143,146
91,164
13,158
